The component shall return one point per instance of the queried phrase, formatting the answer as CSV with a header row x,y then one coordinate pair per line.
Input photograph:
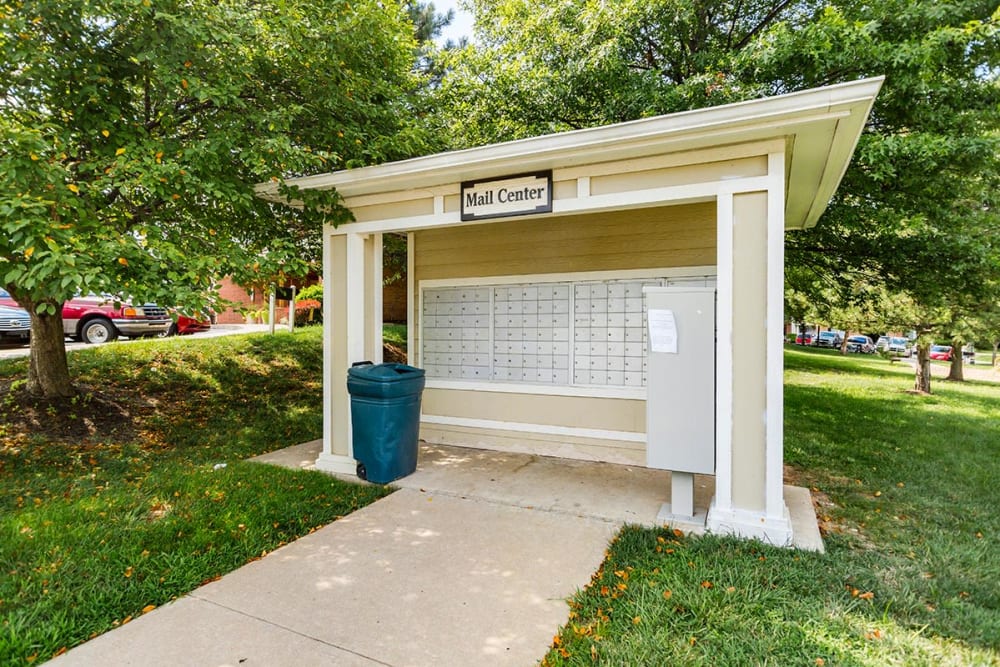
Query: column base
x,y
776,530
337,463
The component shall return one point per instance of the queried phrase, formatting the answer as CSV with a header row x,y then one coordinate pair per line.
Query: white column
x,y
344,343
749,500
723,500
777,512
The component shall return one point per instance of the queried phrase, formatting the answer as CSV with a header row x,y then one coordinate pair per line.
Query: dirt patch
x,y
73,420
823,506
980,372
393,354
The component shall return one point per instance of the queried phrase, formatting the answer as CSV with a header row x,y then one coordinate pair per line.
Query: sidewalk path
x,y
413,579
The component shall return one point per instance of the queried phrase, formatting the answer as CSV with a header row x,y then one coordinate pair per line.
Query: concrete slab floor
x,y
606,491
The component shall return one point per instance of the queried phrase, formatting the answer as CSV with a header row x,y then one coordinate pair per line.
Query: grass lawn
x,y
909,498
117,504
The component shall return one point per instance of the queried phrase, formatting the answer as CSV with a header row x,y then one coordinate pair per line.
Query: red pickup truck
x,y
94,319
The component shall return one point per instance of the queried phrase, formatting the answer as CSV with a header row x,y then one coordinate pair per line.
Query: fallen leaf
x,y
867,596
148,608
120,151
105,133
637,620
128,571
73,188
706,584
820,662
667,595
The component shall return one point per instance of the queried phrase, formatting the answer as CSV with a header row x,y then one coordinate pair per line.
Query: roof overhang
x,y
820,128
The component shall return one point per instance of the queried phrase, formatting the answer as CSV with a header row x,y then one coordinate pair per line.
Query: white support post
x,y
777,512
344,344
723,500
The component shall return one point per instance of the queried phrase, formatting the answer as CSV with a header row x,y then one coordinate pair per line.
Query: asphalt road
x,y
13,348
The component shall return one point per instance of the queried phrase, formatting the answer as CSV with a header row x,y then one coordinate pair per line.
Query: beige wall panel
x,y
584,449
403,209
635,239
564,189
338,389
607,414
749,349
659,178
452,203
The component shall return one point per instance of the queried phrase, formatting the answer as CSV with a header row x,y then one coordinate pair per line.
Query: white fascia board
x,y
702,128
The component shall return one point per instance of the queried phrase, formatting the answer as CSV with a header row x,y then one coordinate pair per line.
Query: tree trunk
x,y
922,382
48,370
955,370
996,347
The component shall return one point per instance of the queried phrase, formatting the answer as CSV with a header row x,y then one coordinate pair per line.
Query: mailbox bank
x,y
544,276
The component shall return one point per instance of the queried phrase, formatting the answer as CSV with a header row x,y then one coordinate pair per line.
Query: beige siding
x,y
636,239
682,175
567,411
402,209
749,349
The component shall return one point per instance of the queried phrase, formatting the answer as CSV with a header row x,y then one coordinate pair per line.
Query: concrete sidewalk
x,y
470,563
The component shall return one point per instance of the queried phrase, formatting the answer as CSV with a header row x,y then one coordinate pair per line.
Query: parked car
x,y
969,354
829,339
941,352
860,344
14,323
804,338
186,325
96,319
896,345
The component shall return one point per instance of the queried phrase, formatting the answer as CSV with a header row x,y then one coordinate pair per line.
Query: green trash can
x,y
385,419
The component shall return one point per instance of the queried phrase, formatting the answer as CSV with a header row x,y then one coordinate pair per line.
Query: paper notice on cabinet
x,y
662,331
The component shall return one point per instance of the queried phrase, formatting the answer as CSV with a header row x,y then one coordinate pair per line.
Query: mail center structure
x,y
531,268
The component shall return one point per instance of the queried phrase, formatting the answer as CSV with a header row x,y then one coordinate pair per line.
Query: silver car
x,y
14,323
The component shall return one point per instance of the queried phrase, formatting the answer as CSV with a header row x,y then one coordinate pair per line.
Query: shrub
x,y
308,311
311,292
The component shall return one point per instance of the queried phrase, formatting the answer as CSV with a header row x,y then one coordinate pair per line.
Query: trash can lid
x,y
388,372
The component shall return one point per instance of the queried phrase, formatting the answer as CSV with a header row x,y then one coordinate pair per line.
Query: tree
x,y
915,212
132,134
